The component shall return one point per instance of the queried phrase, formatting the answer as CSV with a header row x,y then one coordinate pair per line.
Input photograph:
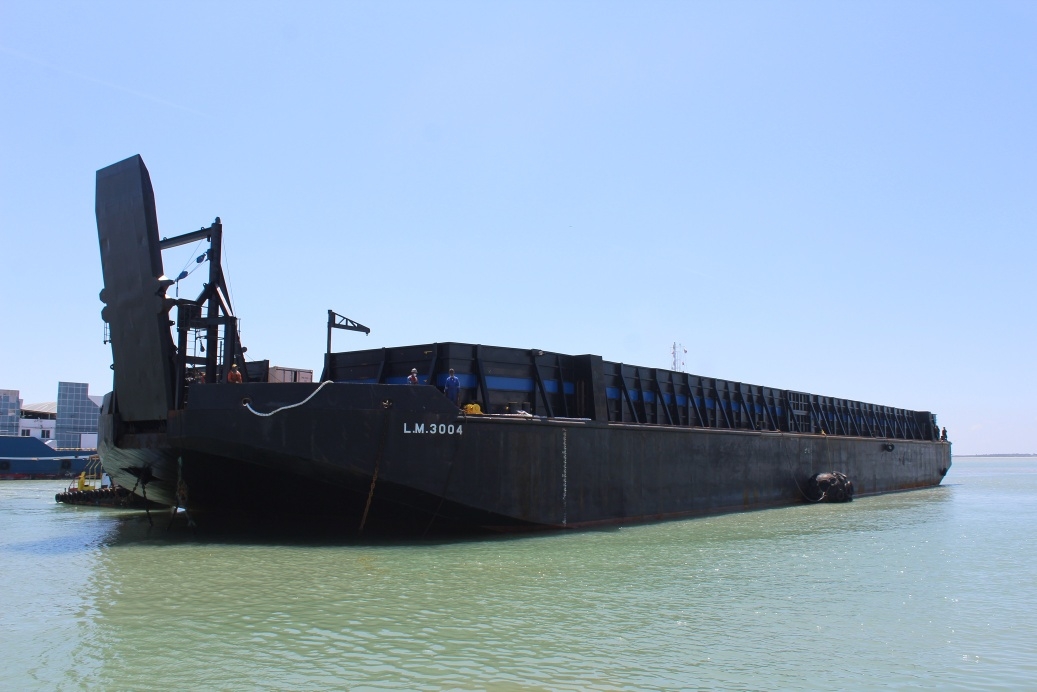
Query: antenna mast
x,y
678,352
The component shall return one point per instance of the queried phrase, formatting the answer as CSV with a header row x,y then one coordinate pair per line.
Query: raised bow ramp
x,y
134,291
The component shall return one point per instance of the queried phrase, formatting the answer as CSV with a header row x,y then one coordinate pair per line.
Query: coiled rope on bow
x,y
248,404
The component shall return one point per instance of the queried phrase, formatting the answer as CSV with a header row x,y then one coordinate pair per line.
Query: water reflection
x,y
134,527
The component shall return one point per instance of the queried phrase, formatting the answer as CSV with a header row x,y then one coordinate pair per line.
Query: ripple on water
x,y
927,589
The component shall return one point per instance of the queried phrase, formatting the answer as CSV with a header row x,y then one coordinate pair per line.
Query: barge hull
x,y
418,464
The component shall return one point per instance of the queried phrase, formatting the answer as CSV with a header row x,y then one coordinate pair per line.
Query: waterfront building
x,y
10,405
39,421
77,415
68,423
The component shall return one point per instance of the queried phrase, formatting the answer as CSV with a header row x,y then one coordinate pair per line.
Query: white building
x,y
39,420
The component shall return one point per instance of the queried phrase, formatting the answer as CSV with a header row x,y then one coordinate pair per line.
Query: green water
x,y
929,589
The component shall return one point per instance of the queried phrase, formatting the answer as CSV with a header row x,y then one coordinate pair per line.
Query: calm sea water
x,y
927,589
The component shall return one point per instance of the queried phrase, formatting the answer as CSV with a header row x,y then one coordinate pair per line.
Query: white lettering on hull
x,y
432,429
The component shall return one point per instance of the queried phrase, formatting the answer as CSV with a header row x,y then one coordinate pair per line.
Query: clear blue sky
x,y
830,197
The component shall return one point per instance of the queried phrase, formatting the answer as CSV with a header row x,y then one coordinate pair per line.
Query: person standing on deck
x,y
452,388
234,376
413,378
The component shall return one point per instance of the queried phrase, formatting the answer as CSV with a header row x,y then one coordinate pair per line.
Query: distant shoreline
x,y
994,455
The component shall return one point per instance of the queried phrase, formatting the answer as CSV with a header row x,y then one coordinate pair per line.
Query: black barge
x,y
541,440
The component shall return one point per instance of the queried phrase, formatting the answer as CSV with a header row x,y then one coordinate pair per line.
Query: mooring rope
x,y
144,490
374,476
147,510
181,496
248,404
370,496
792,471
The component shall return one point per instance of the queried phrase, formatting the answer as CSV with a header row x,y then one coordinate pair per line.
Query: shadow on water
x,y
133,528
